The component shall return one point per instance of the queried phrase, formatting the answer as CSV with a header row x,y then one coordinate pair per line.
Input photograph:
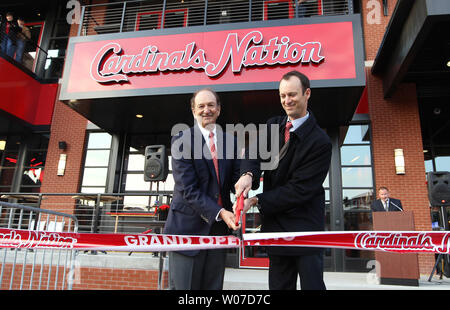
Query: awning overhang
x,y
415,47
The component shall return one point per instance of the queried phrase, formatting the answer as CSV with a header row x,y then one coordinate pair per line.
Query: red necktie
x,y
212,147
286,131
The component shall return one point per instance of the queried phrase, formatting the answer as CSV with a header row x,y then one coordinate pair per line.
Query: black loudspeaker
x,y
156,163
439,188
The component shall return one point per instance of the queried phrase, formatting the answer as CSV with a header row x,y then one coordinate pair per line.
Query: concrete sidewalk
x,y
256,279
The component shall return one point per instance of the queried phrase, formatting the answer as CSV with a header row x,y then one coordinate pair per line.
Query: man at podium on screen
x,y
385,202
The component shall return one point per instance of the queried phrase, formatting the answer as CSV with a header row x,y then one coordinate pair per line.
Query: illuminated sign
x,y
168,61
109,65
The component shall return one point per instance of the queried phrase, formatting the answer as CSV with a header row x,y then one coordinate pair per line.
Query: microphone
x,y
390,201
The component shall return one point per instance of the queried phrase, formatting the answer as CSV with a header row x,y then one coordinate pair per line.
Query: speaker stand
x,y
440,257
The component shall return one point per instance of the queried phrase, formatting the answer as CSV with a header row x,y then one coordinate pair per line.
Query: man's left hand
x,y
229,219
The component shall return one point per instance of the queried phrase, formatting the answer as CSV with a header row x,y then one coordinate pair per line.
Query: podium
x,y
396,268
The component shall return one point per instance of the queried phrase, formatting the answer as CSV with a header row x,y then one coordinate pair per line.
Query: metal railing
x,y
24,52
147,15
101,212
46,268
74,212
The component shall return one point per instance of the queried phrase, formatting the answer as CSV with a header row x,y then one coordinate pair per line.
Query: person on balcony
x,y
22,38
9,29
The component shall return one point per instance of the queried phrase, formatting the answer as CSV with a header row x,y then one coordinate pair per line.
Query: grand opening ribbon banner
x,y
391,241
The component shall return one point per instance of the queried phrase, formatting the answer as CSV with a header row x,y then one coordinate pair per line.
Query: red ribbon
x,y
392,241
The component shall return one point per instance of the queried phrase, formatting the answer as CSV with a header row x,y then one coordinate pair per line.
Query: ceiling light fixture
x,y
139,115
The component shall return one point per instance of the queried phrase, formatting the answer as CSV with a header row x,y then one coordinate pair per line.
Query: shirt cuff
x,y
218,218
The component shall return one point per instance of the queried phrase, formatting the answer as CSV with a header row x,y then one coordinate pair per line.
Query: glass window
x,y
96,162
357,198
357,177
136,162
428,165
99,140
135,182
97,158
442,163
31,172
7,169
436,158
94,176
357,134
355,155
357,188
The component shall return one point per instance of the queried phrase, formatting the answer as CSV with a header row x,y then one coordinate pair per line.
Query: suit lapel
x,y
378,205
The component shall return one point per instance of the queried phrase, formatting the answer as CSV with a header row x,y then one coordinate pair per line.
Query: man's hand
x,y
248,203
229,219
243,185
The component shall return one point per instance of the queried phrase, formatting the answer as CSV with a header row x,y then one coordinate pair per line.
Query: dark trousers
x,y
283,271
204,271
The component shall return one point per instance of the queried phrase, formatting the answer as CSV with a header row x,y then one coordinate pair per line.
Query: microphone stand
x,y
390,201
441,256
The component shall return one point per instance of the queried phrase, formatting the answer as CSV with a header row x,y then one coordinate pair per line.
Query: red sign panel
x,y
25,97
240,56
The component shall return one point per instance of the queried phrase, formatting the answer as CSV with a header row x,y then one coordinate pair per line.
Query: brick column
x,y
396,124
69,126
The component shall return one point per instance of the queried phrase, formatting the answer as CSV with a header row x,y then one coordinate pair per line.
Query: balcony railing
x,y
24,52
147,15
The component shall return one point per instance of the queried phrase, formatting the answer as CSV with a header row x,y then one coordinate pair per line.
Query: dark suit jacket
x,y
194,205
14,29
377,205
293,197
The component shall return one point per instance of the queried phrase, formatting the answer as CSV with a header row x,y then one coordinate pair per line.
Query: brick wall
x,y
86,278
33,279
374,24
395,124
118,279
69,126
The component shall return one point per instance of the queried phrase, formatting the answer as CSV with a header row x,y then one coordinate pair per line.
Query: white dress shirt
x,y
298,122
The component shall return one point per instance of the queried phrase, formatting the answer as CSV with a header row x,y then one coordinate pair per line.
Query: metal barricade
x,y
36,269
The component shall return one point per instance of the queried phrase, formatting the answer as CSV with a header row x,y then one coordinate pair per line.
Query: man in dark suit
x,y
386,203
8,33
205,168
293,198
